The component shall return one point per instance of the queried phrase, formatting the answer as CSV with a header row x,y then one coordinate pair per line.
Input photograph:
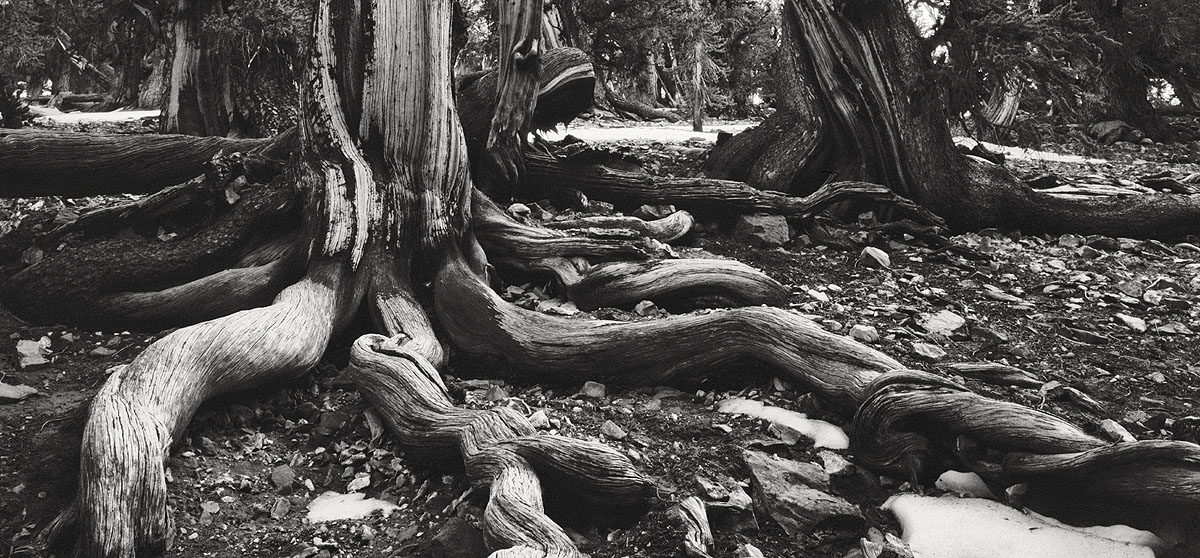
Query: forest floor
x,y
1113,319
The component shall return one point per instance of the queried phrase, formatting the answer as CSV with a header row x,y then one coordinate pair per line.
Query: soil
x,y
225,501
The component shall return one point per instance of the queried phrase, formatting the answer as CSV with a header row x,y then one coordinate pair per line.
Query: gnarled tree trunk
x,y
199,98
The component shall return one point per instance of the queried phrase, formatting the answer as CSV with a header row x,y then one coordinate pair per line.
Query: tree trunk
x,y
199,93
1125,85
881,121
698,85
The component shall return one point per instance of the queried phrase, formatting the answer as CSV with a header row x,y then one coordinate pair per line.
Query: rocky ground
x,y
1103,331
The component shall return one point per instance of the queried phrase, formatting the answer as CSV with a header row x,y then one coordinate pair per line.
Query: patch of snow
x,y
90,117
823,434
664,134
951,527
1029,154
334,506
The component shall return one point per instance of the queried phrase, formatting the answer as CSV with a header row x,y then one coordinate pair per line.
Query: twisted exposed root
x,y
207,298
666,229
521,245
633,187
910,421
120,509
653,352
395,308
676,284
497,446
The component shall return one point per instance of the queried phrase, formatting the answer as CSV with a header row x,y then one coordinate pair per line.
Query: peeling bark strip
x,y
40,163
499,448
385,156
516,97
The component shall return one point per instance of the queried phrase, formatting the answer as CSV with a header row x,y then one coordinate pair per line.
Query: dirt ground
x,y
241,478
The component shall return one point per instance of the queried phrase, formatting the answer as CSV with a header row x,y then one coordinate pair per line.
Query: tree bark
x,y
199,93
516,92
44,163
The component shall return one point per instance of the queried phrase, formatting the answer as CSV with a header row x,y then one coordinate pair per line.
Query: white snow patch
x,y
334,506
1029,154
46,116
664,134
823,434
951,527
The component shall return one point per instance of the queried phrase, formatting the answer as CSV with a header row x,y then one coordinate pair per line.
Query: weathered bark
x,y
632,188
40,163
199,95
882,123
516,92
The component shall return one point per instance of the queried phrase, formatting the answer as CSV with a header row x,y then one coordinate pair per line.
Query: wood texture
x,y
41,163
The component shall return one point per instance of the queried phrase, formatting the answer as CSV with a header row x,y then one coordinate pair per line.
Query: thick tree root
x,y
498,447
120,510
113,281
908,423
702,194
676,285
667,229
40,163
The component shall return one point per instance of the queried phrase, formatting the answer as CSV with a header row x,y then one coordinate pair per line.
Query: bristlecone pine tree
x,y
378,201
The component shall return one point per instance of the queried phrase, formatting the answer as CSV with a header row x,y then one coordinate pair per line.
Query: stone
x,y
646,308
14,394
712,490
611,430
32,354
595,390
101,352
795,494
539,420
1134,323
1115,432
360,481
864,334
653,212
761,231
457,539
1110,131
944,322
281,508
926,351
874,258
747,550
282,477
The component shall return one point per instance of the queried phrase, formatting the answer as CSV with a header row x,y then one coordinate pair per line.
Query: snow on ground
x,y
678,133
53,116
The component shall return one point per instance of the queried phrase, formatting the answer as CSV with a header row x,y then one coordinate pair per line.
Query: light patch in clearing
x,y
334,506
951,527
823,434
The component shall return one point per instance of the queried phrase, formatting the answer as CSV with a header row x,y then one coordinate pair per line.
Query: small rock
x,y
1157,377
761,231
13,394
817,295
495,393
361,481
653,212
794,494
747,550
457,539
1134,323
1115,431
1152,297
944,322
874,258
611,430
864,334
281,508
282,477
712,490
32,354
931,353
646,308
539,420
101,352
519,211
595,390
